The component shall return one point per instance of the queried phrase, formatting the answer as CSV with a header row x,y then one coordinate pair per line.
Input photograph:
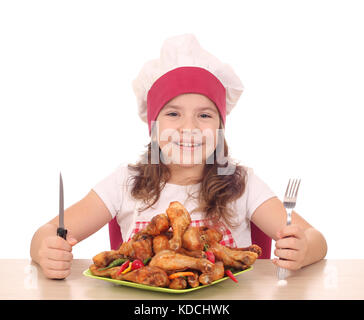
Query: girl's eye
x,y
205,115
172,114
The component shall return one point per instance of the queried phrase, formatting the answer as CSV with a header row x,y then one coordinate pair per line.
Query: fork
x,y
289,203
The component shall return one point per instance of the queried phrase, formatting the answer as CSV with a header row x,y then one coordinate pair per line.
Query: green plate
x,y
88,273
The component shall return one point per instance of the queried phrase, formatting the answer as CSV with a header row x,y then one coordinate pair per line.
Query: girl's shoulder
x,y
250,176
247,174
119,176
256,192
247,170
123,173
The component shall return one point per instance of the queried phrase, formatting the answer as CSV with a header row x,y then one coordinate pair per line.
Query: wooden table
x,y
327,279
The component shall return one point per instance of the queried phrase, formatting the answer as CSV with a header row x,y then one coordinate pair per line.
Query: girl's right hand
x,y
55,255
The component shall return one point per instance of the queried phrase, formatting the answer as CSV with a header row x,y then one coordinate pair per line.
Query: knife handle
x,y
62,233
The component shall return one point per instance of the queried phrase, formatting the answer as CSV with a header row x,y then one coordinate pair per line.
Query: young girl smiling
x,y
184,96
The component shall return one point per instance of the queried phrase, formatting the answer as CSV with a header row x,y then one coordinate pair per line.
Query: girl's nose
x,y
188,124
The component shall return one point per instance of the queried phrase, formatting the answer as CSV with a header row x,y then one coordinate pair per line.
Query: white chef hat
x,y
185,67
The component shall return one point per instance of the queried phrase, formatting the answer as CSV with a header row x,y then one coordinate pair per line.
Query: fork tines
x,y
292,190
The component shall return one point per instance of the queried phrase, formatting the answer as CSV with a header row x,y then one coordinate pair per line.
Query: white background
x,y
67,103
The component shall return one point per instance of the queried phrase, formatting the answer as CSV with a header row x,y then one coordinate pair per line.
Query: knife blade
x,y
61,231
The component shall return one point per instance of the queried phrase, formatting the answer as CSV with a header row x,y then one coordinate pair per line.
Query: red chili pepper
x,y
210,256
123,267
231,276
137,264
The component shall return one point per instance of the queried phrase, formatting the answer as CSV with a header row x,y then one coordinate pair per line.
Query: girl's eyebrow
x,y
203,108
172,106
208,109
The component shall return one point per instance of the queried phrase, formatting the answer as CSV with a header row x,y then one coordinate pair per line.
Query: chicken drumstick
x,y
180,220
170,260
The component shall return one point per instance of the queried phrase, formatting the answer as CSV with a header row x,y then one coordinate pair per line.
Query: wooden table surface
x,y
327,279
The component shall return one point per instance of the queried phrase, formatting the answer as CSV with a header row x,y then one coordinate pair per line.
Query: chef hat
x,y
185,67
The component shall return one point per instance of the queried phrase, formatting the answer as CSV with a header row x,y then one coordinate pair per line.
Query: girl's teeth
x,y
188,144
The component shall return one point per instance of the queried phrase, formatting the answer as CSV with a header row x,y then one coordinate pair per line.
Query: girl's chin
x,y
186,165
185,162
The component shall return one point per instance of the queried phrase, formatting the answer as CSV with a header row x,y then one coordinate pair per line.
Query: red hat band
x,y
185,80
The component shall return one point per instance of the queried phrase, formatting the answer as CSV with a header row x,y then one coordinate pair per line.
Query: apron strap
x,y
136,213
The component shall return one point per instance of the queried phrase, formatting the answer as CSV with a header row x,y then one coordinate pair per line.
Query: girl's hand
x,y
56,256
291,247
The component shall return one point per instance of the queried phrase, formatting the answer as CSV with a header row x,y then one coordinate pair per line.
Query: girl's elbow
x,y
325,247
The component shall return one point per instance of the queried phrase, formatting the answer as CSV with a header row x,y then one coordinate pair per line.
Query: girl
x,y
184,96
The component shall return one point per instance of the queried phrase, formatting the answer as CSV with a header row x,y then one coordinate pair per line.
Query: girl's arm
x,y
299,244
81,220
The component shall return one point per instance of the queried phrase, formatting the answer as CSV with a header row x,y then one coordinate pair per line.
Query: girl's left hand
x,y
291,247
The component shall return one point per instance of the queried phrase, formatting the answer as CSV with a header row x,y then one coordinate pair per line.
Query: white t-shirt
x,y
114,190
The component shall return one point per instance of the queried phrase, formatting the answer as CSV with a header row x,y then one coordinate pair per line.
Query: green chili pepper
x,y
115,263
145,261
205,247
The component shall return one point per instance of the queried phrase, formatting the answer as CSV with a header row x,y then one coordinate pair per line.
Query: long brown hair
x,y
216,190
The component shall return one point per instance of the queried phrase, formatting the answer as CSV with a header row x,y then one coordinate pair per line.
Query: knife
x,y
61,231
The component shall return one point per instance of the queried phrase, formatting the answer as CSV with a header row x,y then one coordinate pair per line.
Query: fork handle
x,y
289,216
282,272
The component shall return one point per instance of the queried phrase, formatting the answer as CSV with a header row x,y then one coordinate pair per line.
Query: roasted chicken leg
x,y
180,220
160,242
178,283
169,260
137,249
102,273
195,238
253,248
103,259
216,273
156,226
152,276
233,257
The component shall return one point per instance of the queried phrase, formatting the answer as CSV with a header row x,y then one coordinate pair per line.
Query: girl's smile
x,y
187,145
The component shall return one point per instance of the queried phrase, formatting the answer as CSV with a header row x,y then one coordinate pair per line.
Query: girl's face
x,y
187,129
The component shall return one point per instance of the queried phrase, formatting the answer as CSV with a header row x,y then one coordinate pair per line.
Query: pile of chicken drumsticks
x,y
171,253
